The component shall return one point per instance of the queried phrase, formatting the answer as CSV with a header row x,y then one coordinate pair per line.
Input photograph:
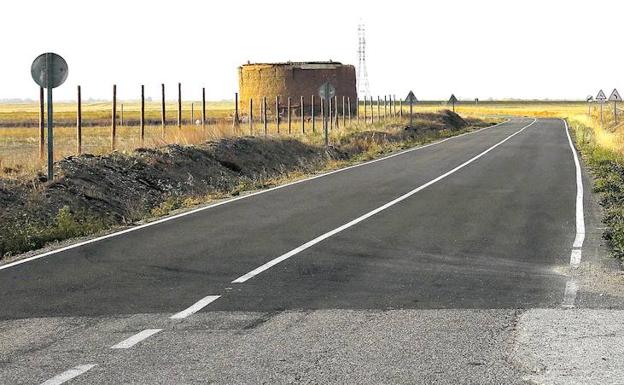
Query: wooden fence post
x,y
378,108
322,101
179,105
372,104
288,104
312,106
142,117
302,109
401,108
365,110
344,116
121,117
162,110
277,117
41,125
349,107
203,107
264,114
330,111
336,109
385,115
114,118
192,114
236,118
251,116
79,123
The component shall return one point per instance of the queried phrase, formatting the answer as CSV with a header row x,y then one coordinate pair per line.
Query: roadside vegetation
x,y
96,193
603,152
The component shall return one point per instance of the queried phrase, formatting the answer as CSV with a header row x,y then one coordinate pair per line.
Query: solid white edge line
x,y
571,289
172,217
135,339
575,257
197,306
69,374
580,216
337,230
569,297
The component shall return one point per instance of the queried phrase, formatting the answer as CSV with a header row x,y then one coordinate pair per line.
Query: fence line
x,y
335,110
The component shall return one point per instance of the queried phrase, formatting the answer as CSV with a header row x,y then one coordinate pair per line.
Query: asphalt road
x,y
417,268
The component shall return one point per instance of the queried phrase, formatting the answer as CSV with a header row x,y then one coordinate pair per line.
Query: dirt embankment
x,y
93,193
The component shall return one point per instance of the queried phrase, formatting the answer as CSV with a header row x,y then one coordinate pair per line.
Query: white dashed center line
x,y
135,339
337,230
68,375
195,307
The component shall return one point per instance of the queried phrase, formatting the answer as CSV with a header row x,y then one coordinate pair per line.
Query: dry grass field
x,y
19,133
19,142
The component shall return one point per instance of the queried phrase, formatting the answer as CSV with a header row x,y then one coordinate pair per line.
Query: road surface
x,y
442,264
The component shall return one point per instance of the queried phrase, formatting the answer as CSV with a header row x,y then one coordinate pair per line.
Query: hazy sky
x,y
479,48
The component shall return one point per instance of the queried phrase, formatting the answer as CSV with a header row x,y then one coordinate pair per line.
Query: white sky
x,y
478,48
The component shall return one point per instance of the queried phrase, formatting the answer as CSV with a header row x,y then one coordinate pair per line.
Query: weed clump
x,y
29,235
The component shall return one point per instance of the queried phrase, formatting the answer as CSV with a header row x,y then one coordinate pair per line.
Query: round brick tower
x,y
294,80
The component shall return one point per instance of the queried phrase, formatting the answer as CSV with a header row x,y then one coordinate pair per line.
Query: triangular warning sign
x,y
453,99
615,96
601,97
411,98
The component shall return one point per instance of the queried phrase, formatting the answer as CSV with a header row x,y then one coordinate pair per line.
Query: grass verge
x,y
607,168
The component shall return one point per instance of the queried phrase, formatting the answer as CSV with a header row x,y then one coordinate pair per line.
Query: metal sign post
x,y
453,100
49,71
601,97
589,100
411,99
615,97
326,93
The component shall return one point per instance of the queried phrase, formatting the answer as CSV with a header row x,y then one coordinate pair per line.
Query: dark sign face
x,y
53,76
327,91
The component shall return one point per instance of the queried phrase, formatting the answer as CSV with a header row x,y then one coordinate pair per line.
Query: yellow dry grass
x,y
19,146
606,134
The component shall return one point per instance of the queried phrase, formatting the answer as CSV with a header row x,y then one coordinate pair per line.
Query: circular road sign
x,y
49,70
327,91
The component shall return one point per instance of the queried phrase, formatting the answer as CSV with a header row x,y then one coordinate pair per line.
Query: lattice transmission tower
x,y
363,88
